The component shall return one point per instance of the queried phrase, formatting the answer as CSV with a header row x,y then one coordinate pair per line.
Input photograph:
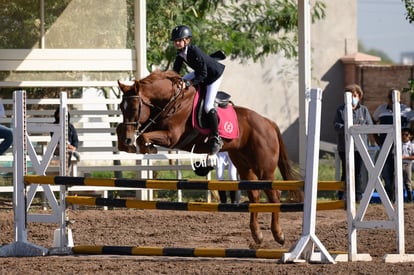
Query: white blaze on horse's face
x,y
125,105
130,107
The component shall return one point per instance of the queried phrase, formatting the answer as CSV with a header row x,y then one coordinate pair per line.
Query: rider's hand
x,y
185,84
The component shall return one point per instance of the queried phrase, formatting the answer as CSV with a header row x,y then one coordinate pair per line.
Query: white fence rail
x,y
98,151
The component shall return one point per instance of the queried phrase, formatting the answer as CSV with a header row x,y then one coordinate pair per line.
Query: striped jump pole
x,y
178,252
202,206
185,252
181,184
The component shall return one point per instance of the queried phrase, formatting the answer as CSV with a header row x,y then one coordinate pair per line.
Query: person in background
x,y
73,140
384,114
360,116
224,160
6,134
207,72
407,159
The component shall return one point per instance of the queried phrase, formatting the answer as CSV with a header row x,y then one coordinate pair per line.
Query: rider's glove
x,y
187,84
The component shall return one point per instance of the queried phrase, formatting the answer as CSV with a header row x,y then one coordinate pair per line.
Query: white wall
x,y
271,88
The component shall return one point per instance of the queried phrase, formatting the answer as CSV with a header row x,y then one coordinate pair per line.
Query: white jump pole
x,y
21,247
63,235
305,246
395,211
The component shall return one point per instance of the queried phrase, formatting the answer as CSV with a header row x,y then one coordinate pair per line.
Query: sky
x,y
382,26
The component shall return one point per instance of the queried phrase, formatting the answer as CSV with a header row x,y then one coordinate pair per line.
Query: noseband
x,y
152,120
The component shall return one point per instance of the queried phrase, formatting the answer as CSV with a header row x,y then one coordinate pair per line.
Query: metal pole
x,y
19,153
140,19
63,153
304,76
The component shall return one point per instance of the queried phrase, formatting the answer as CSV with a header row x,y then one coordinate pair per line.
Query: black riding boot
x,y
223,196
410,196
215,141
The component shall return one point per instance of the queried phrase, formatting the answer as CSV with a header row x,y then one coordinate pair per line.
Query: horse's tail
x,y
284,163
286,169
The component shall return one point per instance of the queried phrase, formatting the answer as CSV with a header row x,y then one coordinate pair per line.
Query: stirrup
x,y
215,144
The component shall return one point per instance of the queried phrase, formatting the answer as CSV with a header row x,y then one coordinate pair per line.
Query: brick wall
x,y
376,80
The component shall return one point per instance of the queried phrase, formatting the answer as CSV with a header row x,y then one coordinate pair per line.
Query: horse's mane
x,y
159,75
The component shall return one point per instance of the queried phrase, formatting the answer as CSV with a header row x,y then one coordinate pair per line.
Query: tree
x,y
409,6
248,29
244,30
385,59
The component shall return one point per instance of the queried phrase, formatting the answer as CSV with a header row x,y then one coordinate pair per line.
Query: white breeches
x,y
211,92
224,160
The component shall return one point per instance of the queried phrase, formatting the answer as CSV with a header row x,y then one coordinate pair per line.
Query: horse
x,y
157,111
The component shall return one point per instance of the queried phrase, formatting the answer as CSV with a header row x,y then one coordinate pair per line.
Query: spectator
x,y
6,134
73,140
360,116
224,160
384,115
407,159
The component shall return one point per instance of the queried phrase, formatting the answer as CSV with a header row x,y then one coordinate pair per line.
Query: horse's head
x,y
149,104
135,113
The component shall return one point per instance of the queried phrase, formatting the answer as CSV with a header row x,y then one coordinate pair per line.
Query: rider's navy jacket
x,y
206,69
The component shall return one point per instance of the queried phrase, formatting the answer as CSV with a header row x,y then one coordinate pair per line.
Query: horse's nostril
x,y
128,141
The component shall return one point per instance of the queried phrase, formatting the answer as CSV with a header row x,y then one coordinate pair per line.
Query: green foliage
x,y
19,24
326,172
242,29
251,29
409,6
385,59
102,174
410,88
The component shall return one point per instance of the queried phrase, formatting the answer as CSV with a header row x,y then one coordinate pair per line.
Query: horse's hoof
x,y
280,239
132,149
258,238
150,149
201,170
128,149
254,246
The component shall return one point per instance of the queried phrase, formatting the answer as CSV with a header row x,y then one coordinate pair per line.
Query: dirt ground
x,y
200,229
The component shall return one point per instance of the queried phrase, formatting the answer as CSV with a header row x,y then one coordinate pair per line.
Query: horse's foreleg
x,y
127,148
254,197
145,147
146,141
274,197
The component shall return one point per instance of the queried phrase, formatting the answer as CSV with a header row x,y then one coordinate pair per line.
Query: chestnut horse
x,y
157,111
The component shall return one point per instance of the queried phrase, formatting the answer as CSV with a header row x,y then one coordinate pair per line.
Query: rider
x,y
207,71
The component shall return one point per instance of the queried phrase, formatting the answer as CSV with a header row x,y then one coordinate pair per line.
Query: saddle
x,y
228,125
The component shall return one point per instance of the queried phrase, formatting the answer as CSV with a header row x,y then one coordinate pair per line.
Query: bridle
x,y
152,120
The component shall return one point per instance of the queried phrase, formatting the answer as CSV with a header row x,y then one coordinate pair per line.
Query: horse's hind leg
x,y
254,197
295,196
274,197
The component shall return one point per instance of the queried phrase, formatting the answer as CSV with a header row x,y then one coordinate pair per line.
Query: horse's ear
x,y
123,87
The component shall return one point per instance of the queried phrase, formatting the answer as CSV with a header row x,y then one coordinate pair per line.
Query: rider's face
x,y
180,44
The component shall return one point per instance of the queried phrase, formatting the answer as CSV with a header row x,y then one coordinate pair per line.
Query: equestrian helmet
x,y
181,32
